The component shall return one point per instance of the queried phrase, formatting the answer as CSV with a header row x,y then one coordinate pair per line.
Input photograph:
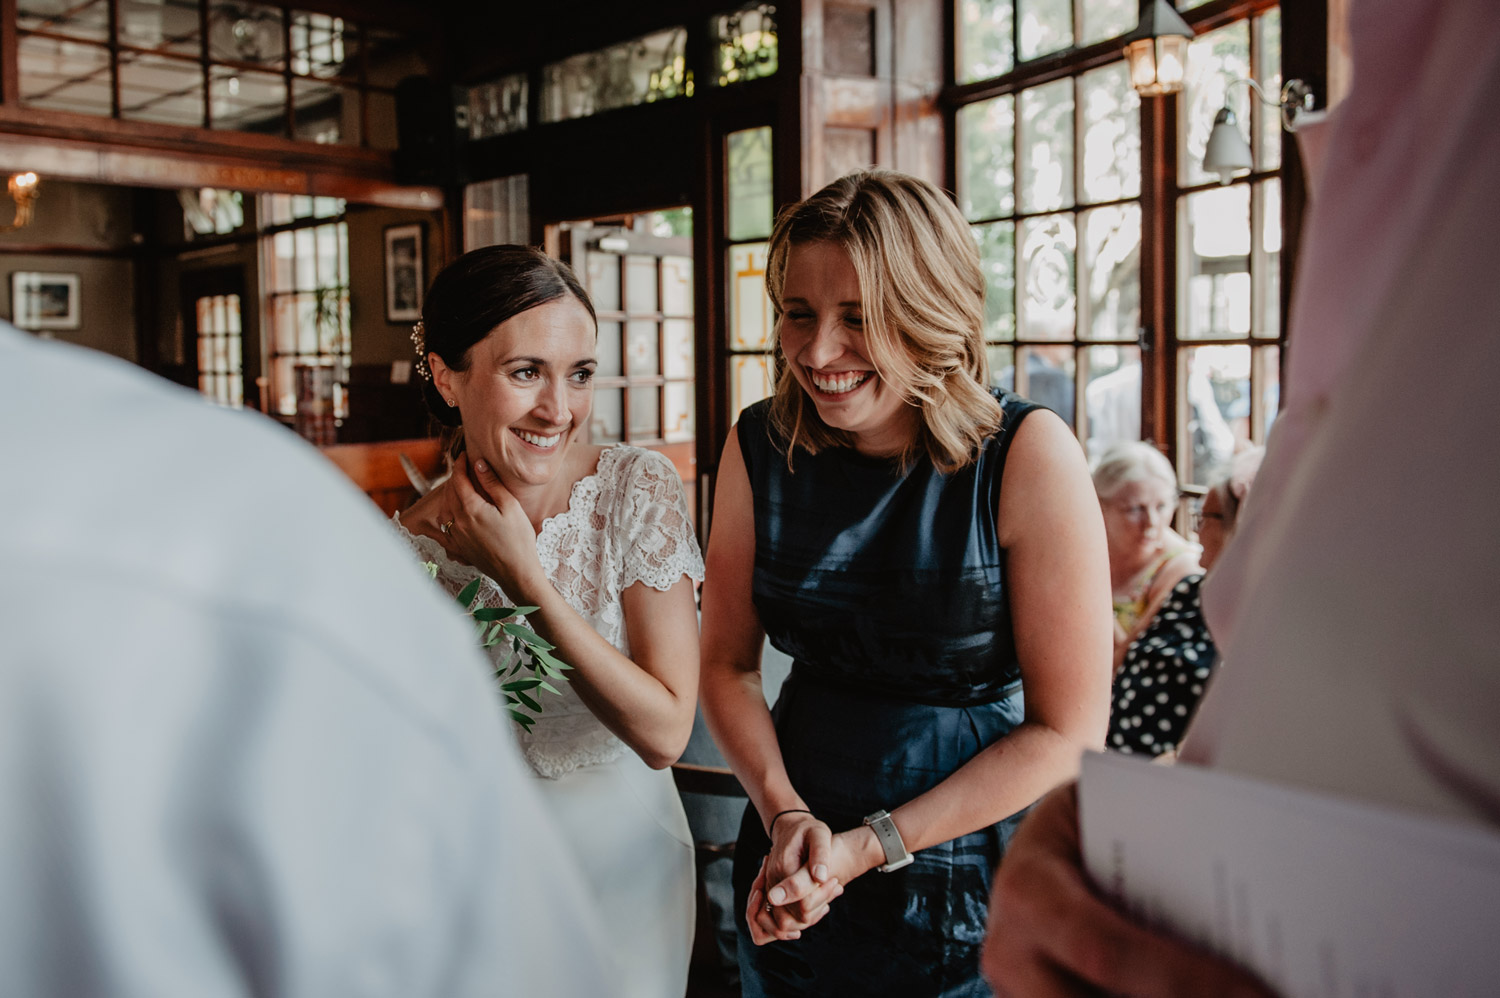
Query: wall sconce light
x,y
23,189
1157,49
1227,152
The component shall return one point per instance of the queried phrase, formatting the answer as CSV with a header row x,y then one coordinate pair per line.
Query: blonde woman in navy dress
x,y
924,548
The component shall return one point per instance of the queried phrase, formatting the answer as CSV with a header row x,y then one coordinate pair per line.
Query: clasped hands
x,y
803,873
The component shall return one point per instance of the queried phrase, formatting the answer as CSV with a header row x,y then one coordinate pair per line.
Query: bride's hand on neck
x,y
491,531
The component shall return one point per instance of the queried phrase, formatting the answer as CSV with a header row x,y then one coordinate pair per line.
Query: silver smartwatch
x,y
885,830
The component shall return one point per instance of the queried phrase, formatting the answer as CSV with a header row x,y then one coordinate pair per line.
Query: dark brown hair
x,y
477,292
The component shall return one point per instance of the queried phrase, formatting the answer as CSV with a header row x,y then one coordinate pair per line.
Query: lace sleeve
x,y
658,545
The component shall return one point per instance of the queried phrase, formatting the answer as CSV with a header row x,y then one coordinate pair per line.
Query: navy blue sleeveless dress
x,y
889,593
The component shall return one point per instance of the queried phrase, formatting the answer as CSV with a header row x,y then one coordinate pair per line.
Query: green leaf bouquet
x,y
494,624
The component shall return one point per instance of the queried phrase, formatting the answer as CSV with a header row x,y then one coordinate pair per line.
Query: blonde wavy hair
x,y
922,296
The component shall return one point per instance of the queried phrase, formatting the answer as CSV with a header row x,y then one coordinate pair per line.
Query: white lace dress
x,y
625,523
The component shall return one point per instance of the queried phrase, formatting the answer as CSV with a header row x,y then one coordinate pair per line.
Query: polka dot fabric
x,y
1163,675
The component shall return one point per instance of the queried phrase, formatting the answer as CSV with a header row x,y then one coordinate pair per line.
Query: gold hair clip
x,y
419,341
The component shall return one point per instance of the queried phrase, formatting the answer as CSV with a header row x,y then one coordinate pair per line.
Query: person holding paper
x,y
1356,602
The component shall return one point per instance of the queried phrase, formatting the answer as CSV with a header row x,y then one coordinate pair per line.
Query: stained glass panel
x,y
749,305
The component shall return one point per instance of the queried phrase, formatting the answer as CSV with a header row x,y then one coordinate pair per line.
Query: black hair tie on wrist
x,y
770,832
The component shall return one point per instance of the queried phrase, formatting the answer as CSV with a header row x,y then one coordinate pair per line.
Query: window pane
x,y
749,305
1266,265
324,46
1214,59
1046,376
1110,275
671,222
1045,154
247,102
496,211
639,71
306,260
640,284
608,350
1047,306
328,256
645,413
1105,19
1268,73
997,260
64,76
246,32
283,387
679,412
677,285
85,19
749,181
1267,387
1112,396
281,260
986,46
1213,263
604,280
1002,366
498,107
162,27
642,349
678,362
607,423
169,91
987,168
325,113
284,323
749,380
1111,134
747,47
1045,26
307,322
1215,422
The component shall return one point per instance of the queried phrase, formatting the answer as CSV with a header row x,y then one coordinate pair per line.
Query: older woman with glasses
x,y
1165,670
1137,491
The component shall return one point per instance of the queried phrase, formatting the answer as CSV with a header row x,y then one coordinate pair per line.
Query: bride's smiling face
x,y
527,392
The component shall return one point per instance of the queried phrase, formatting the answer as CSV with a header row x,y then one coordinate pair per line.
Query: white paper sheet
x,y
1322,897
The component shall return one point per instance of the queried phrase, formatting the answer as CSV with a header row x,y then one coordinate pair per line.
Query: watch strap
x,y
889,837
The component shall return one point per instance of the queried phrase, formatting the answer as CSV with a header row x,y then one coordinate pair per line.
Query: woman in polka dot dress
x,y
1165,669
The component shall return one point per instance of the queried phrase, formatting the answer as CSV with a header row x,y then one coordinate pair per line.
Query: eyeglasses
x,y
1199,516
1143,511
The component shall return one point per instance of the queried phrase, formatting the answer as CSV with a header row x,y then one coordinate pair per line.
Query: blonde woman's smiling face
x,y
822,336
528,390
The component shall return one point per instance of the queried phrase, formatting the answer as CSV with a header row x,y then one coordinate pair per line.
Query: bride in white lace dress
x,y
598,538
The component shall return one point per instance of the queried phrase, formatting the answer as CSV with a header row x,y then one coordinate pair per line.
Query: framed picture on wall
x,y
44,301
405,273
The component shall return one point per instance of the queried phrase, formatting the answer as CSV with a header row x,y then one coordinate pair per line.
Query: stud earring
x,y
450,402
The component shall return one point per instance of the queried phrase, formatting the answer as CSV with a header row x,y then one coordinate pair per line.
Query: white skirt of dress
x,y
625,825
